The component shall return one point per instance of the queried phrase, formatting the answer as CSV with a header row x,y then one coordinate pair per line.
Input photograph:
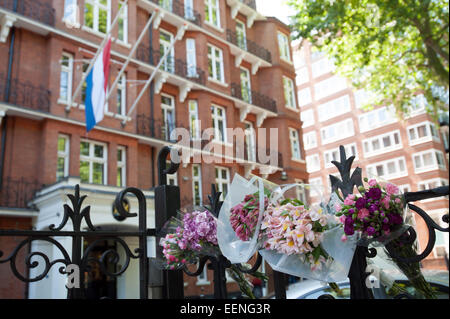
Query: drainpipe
x,y
152,105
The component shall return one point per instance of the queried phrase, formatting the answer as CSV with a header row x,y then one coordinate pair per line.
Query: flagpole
x,y
133,50
180,34
101,47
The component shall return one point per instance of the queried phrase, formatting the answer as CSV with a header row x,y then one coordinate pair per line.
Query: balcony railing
x,y
34,9
177,7
253,97
249,46
257,152
25,94
171,65
155,128
16,193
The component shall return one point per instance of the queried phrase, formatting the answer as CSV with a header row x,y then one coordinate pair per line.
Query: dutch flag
x,y
97,84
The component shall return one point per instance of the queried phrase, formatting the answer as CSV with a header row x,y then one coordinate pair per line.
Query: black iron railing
x,y
155,128
171,65
25,94
177,7
253,97
41,11
248,45
16,193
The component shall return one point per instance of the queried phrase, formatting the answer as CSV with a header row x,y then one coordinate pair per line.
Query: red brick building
x,y
409,152
231,67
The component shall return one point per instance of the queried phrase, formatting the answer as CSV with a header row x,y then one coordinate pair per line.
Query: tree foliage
x,y
395,49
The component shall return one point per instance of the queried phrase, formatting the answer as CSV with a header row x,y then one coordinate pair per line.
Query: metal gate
x,y
167,203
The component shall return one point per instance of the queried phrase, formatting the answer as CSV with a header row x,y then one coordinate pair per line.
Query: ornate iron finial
x,y
215,202
162,165
347,183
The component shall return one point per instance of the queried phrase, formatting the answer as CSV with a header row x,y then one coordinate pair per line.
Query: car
x,y
312,289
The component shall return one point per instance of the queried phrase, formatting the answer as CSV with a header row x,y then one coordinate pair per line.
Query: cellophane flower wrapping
x,y
187,237
378,217
240,217
304,240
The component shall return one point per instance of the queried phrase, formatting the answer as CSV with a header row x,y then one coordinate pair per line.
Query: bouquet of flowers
x,y
192,235
303,240
378,216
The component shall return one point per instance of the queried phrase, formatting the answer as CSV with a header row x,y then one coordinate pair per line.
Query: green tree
x,y
393,48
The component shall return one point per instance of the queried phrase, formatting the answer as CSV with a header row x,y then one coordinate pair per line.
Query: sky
x,y
275,8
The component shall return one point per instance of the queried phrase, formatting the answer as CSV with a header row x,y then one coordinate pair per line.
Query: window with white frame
x,y
289,93
172,179
422,132
246,86
219,123
404,188
335,154
84,85
315,54
222,180
301,191
337,131
307,118
295,144
194,122
250,141
334,108
202,279
166,4
440,249
123,24
63,157
445,139
313,163
122,96
165,47
215,64
428,161
310,140
389,169
66,78
322,66
318,182
93,162
168,115
362,98
382,143
284,47
191,58
417,105
376,118
97,15
329,86
430,184
302,76
70,12
121,166
241,35
212,12
299,58
197,185
189,9
304,97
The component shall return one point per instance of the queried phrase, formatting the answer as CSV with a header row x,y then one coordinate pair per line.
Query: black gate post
x,y
279,280
167,203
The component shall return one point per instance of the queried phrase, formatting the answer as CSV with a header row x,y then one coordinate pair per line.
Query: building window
x,y
418,105
84,85
299,58
304,97
289,93
121,166
301,191
284,47
194,123
307,118
63,157
93,162
362,97
334,108
70,12
321,67
337,131
172,179
430,184
219,123
375,119
313,163
97,15
65,83
123,24
189,10
202,279
250,141
215,64
241,35
191,58
330,86
422,132
212,12
302,76
428,161
165,40
197,185
122,96
310,140
390,169
223,181
295,144
382,143
246,87
166,4
168,115
315,182
335,154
